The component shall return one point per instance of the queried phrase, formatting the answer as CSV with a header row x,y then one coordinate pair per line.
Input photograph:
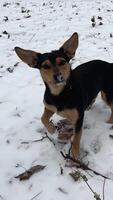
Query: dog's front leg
x,y
75,144
46,120
75,117
75,140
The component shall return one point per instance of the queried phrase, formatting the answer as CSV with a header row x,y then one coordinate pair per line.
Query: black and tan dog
x,y
69,92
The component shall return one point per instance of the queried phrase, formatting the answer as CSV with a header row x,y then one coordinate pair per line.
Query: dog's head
x,y
54,66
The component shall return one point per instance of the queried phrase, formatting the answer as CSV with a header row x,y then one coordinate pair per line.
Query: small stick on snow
x,y
50,139
62,190
35,196
32,37
39,140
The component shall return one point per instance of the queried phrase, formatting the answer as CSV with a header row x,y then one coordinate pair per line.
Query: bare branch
x,y
82,165
39,140
49,139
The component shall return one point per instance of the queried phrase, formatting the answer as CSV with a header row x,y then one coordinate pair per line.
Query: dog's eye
x,y
45,66
62,62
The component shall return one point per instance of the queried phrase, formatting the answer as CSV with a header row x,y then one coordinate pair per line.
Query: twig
x,y
50,139
39,140
82,165
30,142
32,37
96,196
104,188
35,196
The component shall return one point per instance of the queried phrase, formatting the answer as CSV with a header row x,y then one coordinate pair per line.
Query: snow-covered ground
x,y
44,26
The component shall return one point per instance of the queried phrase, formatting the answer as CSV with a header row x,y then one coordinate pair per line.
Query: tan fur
x,y
47,76
103,95
46,120
111,117
50,107
70,114
76,144
72,117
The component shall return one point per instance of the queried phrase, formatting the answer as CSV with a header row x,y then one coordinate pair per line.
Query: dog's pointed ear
x,y
28,56
71,45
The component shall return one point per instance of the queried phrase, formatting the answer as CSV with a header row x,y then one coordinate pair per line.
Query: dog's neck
x,y
56,90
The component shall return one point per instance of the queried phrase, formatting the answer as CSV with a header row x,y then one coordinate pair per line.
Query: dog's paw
x,y
70,163
51,128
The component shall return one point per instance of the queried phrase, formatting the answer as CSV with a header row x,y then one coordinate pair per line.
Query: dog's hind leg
x,y
46,120
110,120
104,97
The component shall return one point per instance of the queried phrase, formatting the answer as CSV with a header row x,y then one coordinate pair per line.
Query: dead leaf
x,y
28,173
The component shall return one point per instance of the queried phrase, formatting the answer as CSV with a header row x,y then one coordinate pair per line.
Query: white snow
x,y
21,98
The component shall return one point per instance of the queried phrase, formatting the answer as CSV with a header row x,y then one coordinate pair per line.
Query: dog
x,y
70,92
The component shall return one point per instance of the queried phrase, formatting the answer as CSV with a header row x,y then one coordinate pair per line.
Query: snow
x,y
44,26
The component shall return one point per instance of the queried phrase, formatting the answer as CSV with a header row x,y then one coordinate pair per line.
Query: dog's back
x,y
93,77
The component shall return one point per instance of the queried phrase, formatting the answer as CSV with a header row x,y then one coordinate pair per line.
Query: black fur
x,y
84,83
51,56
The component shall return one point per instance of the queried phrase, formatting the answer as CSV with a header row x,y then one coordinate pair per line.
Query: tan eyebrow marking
x,y
46,62
59,60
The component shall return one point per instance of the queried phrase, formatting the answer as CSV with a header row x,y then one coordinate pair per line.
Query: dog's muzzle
x,y
59,79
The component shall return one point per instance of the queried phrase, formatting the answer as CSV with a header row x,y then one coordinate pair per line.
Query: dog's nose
x,y
58,78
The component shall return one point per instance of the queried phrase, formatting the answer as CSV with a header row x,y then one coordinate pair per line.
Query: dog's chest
x,y
54,109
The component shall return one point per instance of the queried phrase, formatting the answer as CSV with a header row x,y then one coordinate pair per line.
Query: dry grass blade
x,y
36,196
62,190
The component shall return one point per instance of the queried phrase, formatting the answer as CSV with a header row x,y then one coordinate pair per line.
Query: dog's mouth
x,y
62,83
59,80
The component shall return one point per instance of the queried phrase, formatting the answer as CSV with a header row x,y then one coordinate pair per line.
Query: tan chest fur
x,y
71,115
50,107
54,109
